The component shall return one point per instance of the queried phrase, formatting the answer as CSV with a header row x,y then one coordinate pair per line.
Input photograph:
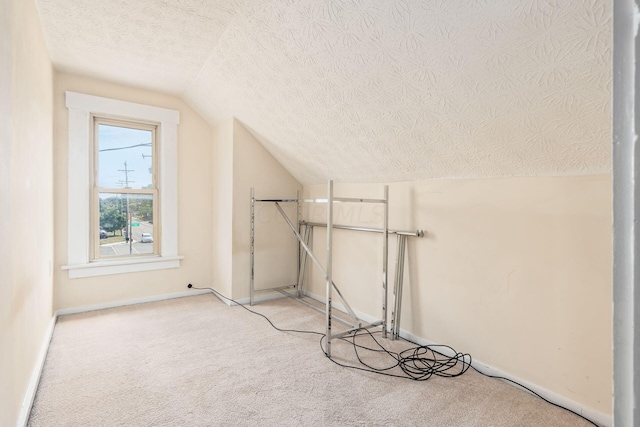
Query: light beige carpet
x,y
197,362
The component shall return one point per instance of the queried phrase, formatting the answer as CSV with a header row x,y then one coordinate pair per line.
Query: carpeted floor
x,y
197,362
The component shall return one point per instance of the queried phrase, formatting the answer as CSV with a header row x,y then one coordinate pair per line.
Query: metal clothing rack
x,y
297,286
305,252
401,245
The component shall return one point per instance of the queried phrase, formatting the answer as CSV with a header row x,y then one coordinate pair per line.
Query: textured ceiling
x,y
364,90
158,44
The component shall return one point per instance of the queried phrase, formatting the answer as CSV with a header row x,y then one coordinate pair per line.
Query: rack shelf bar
x,y
417,233
278,289
319,309
356,200
364,326
277,200
345,200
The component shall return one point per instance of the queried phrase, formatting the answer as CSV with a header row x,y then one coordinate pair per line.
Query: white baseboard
x,y
266,296
112,304
27,403
599,418
32,388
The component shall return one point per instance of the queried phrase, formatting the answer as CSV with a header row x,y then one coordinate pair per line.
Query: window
x,y
125,190
122,187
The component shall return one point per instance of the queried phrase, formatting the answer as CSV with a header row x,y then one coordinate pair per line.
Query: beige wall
x,y
222,212
275,244
194,203
241,162
514,271
26,228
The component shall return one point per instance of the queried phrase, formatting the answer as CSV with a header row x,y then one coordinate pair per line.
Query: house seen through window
x,y
125,192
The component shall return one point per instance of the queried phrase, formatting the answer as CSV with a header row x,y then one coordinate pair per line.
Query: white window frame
x,y
81,107
97,189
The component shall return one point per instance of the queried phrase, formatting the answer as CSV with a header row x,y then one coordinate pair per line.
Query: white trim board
x,y
80,108
142,300
599,418
595,416
32,387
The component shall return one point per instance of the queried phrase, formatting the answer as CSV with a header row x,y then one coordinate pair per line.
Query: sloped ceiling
x,y
369,90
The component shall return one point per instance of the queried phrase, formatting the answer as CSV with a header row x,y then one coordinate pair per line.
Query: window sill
x,y
120,266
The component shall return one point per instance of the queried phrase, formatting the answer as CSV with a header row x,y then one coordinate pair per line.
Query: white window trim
x,y
80,107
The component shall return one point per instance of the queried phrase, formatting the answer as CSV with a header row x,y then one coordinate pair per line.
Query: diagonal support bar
x,y
320,266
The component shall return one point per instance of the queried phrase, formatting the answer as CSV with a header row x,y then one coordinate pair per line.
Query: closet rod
x,y
417,233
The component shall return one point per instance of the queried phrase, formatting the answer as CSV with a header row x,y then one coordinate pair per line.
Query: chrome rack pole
x,y
395,326
303,260
299,213
329,264
385,260
395,289
252,239
310,245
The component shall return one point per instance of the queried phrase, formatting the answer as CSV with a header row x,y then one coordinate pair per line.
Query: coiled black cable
x,y
417,363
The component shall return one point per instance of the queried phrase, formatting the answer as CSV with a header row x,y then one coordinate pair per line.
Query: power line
x,y
125,148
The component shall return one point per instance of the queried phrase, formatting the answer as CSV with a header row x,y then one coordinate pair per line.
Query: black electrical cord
x,y
190,286
420,368
418,363
533,392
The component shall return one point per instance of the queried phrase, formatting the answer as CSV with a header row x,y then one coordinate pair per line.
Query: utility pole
x,y
126,185
126,176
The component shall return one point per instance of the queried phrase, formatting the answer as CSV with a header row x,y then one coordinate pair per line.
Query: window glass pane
x,y
123,216
124,157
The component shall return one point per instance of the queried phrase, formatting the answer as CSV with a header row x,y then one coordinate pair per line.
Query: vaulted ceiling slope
x,y
369,90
